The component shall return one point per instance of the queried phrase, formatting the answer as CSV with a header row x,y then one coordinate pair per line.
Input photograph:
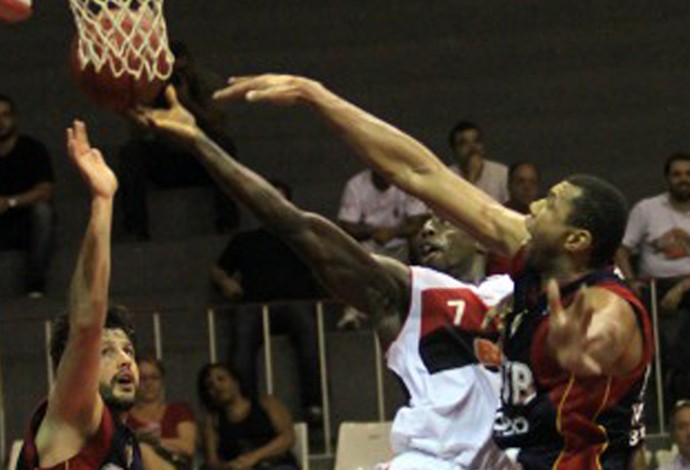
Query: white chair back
x,y
301,446
363,445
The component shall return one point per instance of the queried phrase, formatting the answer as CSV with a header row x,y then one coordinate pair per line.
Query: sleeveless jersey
x,y
453,398
113,447
551,419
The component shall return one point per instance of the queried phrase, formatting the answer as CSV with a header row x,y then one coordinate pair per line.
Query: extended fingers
x,y
239,87
553,295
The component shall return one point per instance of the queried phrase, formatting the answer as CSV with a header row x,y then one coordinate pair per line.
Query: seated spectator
x,y
466,141
523,186
523,190
169,428
380,216
256,266
148,157
240,431
680,434
658,234
26,193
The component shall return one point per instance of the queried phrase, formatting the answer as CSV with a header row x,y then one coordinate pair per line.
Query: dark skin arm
x,y
349,272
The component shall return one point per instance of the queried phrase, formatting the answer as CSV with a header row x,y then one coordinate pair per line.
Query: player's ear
x,y
578,240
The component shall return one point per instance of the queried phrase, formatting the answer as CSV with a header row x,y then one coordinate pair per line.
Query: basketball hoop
x,y
124,36
13,11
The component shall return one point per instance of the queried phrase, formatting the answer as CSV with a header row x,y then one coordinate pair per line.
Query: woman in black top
x,y
241,432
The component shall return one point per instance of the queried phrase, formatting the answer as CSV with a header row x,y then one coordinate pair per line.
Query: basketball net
x,y
128,36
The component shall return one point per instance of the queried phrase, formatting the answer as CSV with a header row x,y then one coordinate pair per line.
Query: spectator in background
x,y
466,141
147,157
380,216
169,428
26,193
256,266
523,190
658,232
523,186
680,434
240,431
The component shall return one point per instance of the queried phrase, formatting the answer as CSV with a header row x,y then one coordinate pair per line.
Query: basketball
x,y
14,11
124,59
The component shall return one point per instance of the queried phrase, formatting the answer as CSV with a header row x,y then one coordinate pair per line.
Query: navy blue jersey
x,y
554,419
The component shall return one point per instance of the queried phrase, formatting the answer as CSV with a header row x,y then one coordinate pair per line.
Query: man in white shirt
x,y
380,216
680,433
658,231
466,140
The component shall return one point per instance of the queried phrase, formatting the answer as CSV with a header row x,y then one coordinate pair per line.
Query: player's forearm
x,y
395,155
88,296
242,184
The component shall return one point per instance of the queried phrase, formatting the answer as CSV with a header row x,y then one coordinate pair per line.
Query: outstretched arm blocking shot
x,y
395,155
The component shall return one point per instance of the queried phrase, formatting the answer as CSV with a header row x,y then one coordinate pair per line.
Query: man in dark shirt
x,y
256,266
26,192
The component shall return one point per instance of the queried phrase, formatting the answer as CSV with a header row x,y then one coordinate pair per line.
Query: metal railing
x,y
212,341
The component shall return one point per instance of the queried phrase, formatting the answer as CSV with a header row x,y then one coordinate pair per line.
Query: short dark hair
x,y
676,157
514,167
602,210
9,101
201,389
462,126
117,318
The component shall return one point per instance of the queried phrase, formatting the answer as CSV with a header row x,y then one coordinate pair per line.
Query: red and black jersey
x,y
553,419
113,447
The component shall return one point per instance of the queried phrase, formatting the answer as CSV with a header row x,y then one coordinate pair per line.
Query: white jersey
x,y
448,421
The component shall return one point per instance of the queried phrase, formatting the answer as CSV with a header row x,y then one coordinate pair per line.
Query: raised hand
x,y
176,121
90,162
568,329
283,90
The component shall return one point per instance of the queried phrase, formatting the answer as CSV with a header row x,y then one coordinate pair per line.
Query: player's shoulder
x,y
495,288
428,277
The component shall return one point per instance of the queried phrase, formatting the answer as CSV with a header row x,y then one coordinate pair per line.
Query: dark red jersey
x,y
113,447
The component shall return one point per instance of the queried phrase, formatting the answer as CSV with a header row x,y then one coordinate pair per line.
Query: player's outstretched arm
x,y
74,406
341,264
597,334
398,157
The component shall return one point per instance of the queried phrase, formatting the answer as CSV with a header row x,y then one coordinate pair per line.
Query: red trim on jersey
x,y
458,307
580,400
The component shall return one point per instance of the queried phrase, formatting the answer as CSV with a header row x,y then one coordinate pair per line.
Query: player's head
x,y
582,217
466,139
680,427
151,377
677,172
8,118
217,386
118,373
443,246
